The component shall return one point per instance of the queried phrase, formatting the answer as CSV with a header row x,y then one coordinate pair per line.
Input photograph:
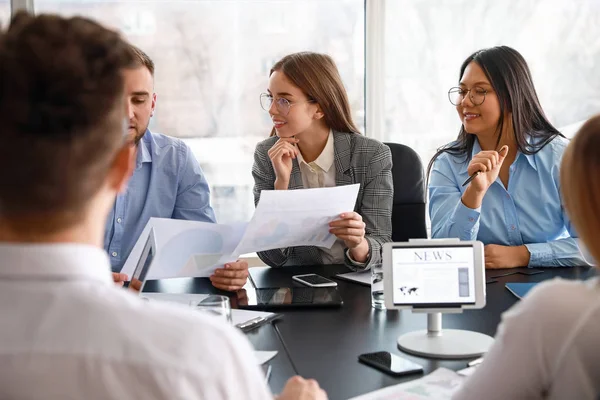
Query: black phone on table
x,y
390,363
314,280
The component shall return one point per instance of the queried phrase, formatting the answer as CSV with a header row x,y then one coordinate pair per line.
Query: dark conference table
x,y
324,343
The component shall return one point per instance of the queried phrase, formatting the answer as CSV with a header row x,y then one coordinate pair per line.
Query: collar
x,y
327,156
529,157
62,261
143,152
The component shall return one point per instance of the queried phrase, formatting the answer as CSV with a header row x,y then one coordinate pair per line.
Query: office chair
x,y
408,209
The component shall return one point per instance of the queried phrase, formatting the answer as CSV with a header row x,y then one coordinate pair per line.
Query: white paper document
x,y
264,356
237,316
285,218
439,385
187,248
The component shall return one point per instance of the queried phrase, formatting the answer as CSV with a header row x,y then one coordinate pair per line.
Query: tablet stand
x,y
445,344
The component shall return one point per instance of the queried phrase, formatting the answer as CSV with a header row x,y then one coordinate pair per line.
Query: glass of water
x,y
215,305
377,299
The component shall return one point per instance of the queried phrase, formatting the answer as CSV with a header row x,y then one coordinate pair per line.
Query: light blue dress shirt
x,y
167,183
529,212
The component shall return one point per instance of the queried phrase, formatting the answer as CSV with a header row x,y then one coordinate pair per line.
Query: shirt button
x,y
119,220
114,253
471,219
512,227
507,196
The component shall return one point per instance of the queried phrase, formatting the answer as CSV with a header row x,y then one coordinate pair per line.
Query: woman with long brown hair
x,y
314,143
547,345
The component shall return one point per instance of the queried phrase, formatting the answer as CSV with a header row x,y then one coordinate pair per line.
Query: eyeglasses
x,y
456,95
283,105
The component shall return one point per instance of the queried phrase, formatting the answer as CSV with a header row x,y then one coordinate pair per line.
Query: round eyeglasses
x,y
282,104
456,95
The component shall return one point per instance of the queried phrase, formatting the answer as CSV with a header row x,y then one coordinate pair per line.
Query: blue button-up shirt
x,y
167,183
529,212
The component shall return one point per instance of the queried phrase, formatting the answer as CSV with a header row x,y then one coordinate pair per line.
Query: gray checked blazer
x,y
358,159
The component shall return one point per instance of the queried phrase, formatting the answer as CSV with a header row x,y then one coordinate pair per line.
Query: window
x,y
426,41
4,13
212,62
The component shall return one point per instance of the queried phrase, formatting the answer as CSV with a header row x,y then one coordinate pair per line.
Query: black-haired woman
x,y
513,204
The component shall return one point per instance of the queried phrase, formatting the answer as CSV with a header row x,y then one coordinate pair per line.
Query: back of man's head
x,y
62,116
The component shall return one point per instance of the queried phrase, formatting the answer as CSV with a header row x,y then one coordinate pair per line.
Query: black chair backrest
x,y
408,211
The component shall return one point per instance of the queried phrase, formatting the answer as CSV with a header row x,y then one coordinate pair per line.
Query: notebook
x,y
520,289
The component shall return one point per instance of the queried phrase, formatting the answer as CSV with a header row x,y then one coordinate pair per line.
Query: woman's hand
x,y
351,229
488,163
281,154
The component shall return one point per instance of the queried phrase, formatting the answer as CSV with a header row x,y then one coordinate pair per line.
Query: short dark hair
x,y
62,115
141,59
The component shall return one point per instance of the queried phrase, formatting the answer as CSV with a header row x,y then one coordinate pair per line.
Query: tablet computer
x,y
138,278
265,298
434,274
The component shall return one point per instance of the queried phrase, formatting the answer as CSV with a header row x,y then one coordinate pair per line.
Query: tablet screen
x,y
433,275
138,277
291,297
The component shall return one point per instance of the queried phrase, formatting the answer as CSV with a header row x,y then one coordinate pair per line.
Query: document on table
x,y
439,385
238,317
286,218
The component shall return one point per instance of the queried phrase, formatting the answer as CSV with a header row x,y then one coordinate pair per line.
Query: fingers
x,y
119,278
227,288
227,283
283,146
489,160
345,217
502,154
135,284
347,223
278,154
231,273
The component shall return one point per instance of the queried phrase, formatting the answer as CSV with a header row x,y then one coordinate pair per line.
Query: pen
x,y
504,150
475,362
268,374
471,178
251,323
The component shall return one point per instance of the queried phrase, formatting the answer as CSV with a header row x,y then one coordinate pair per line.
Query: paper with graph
x,y
187,248
439,385
285,218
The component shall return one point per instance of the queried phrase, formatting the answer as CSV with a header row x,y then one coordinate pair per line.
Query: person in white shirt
x,y
547,345
67,331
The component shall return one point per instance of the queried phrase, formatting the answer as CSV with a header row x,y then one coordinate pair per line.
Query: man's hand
x,y
119,278
298,388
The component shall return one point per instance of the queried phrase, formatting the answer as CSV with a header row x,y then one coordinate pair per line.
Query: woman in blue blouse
x,y
513,205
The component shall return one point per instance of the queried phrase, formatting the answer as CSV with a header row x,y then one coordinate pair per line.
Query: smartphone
x,y
314,280
390,363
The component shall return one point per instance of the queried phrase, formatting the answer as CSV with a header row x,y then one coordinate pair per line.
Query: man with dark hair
x,y
67,331
167,181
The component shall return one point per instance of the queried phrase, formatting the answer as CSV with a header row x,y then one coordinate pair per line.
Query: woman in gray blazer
x,y
314,143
